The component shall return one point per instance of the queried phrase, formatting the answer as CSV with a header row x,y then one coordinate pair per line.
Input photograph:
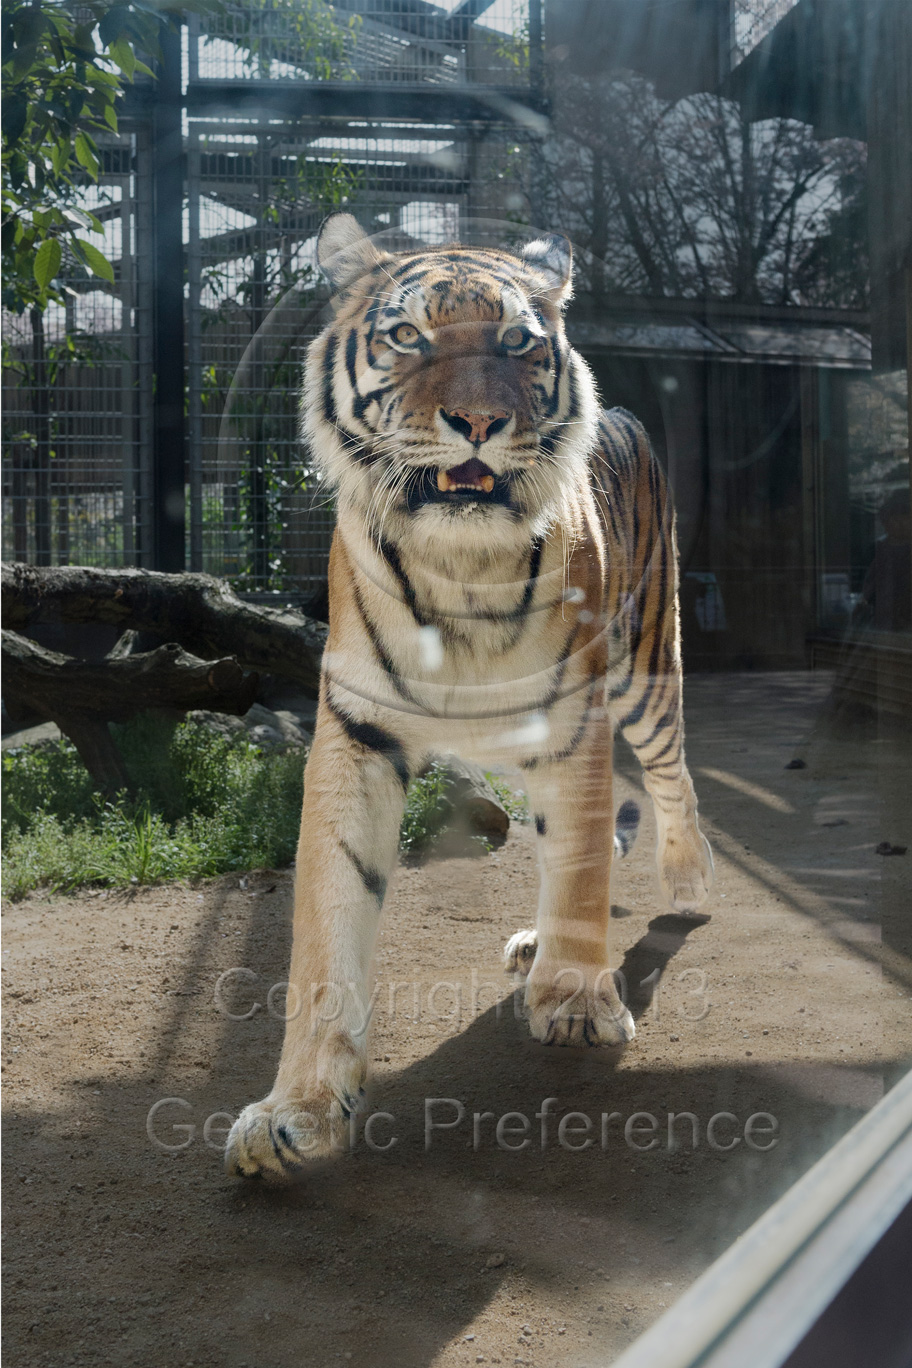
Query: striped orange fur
x,y
503,584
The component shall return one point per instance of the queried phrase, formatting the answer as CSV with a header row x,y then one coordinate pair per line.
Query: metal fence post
x,y
168,459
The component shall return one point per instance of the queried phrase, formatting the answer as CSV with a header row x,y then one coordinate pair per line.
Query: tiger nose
x,y
476,427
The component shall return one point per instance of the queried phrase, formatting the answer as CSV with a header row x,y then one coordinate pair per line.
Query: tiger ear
x,y
552,257
344,251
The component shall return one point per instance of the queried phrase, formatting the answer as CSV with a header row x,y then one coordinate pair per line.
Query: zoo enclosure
x,y
154,422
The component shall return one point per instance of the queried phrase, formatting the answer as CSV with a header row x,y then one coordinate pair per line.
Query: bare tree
x,y
686,198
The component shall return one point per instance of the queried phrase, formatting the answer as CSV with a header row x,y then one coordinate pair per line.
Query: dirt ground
x,y
791,1001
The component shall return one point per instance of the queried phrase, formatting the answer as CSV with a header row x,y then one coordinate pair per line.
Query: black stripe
x,y
362,402
574,407
351,356
636,712
551,406
671,718
667,718
575,739
381,652
372,879
521,611
541,826
285,1162
375,739
607,502
665,765
329,362
391,555
561,666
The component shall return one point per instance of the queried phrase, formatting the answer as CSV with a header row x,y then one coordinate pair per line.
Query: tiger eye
x,y
404,334
514,337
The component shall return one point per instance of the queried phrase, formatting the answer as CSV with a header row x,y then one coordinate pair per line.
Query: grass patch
x,y
427,812
204,804
516,804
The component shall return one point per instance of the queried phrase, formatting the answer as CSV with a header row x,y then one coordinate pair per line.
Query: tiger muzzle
x,y
476,427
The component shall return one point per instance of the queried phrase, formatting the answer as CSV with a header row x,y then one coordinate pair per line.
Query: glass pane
x,y
539,1164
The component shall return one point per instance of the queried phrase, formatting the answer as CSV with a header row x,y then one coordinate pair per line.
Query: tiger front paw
x,y
279,1137
572,1006
276,1139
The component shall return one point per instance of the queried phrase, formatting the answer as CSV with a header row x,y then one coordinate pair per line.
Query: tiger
x,y
503,586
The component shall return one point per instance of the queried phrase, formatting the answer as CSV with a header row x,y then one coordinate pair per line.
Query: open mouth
x,y
470,482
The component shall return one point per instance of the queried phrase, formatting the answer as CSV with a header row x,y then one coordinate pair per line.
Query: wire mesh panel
x,y
386,41
77,394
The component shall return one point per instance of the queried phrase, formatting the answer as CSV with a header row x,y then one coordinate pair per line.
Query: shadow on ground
x,y
121,1253
385,1257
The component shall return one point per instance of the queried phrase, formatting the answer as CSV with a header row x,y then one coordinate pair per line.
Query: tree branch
x,y
197,610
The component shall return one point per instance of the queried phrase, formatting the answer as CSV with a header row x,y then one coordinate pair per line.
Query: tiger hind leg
x,y
654,728
570,995
520,949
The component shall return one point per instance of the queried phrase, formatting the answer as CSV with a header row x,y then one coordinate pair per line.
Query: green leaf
x,y
96,262
85,154
15,117
60,155
78,216
113,24
47,262
122,54
111,117
24,60
83,40
29,25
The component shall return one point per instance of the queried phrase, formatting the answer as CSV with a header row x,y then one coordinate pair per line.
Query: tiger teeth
x,y
445,484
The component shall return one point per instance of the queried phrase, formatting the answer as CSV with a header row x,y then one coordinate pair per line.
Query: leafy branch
x,y
65,64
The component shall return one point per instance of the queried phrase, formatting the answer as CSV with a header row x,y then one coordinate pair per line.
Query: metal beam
x,y
349,100
168,437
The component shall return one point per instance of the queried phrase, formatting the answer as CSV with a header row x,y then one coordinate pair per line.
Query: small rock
x,y
266,736
886,848
495,1260
796,764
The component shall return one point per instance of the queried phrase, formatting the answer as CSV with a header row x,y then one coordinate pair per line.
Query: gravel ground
x,y
790,1003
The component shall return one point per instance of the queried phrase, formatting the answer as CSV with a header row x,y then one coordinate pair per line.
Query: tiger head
x,y
444,402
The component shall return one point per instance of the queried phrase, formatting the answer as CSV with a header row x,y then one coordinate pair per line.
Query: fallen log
x,y
82,696
198,611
